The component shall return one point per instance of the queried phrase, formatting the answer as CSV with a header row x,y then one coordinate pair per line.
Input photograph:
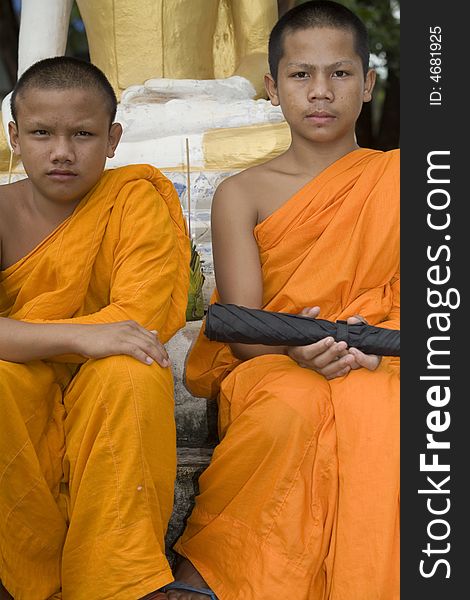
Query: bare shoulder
x,y
262,189
234,198
249,180
12,191
11,195
11,203
249,190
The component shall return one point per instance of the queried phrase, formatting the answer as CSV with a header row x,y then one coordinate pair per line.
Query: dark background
x,y
424,129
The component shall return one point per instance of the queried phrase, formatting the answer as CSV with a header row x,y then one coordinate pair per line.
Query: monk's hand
x,y
367,361
310,311
327,357
125,337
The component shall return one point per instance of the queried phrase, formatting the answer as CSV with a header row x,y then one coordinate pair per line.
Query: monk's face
x,y
321,85
63,138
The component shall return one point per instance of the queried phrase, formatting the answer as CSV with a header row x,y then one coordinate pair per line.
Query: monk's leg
x,y
367,413
263,521
32,526
121,465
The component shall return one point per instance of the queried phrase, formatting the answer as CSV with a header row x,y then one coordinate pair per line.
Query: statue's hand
x,y
161,90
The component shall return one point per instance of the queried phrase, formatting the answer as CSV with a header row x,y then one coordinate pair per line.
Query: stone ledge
x,y
196,424
196,418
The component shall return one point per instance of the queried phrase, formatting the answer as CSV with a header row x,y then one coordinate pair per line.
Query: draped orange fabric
x,y
302,494
88,453
117,257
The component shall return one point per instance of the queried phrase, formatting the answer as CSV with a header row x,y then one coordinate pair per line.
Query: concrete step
x,y
196,423
196,418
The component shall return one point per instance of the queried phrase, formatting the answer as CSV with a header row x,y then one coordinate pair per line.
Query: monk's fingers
x,y
342,351
144,346
339,367
368,361
303,355
327,357
355,319
154,337
147,355
137,329
310,311
311,352
147,340
157,352
333,373
331,352
160,348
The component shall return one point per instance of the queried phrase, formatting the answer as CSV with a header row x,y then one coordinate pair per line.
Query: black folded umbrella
x,y
236,324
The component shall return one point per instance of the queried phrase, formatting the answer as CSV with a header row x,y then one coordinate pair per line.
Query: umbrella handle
x,y
342,332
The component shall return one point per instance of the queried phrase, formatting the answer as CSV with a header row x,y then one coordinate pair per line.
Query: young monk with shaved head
x,y
301,499
93,280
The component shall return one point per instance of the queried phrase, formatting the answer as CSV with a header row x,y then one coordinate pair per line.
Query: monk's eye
x,y
300,75
339,74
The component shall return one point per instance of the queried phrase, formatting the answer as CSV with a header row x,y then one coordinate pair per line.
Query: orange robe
x,y
87,451
302,494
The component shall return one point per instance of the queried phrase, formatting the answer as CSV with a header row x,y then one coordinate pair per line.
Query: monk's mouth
x,y
61,175
320,118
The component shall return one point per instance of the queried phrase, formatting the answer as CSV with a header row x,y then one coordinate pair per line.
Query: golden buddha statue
x,y
179,39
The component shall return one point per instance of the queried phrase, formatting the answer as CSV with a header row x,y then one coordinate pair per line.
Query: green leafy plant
x,y
195,308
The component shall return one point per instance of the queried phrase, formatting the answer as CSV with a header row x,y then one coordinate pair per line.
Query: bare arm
x,y
239,281
147,263
22,342
236,259
237,264
139,300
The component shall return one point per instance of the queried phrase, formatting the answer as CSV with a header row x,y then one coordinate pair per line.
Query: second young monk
x,y
301,499
93,265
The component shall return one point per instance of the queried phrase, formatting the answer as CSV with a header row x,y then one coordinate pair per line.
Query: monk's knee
x,y
121,379
129,372
286,401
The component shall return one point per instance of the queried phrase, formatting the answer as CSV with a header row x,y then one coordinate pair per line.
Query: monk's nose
x,y
320,89
62,150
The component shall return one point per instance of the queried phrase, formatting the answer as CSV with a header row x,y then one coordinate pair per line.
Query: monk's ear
x,y
114,135
271,89
369,85
14,141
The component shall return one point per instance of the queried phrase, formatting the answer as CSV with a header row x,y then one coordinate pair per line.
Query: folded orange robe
x,y
88,453
302,494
